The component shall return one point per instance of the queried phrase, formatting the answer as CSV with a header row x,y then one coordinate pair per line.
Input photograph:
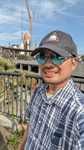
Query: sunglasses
x,y
54,58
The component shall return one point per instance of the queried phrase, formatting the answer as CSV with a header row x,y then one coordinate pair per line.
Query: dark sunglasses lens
x,y
54,59
61,59
57,59
41,59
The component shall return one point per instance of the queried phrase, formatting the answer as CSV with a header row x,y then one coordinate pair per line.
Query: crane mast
x,y
30,23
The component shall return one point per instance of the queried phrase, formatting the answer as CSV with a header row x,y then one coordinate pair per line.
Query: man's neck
x,y
53,88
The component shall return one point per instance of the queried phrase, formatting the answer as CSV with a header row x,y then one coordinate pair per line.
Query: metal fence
x,y
15,93
11,94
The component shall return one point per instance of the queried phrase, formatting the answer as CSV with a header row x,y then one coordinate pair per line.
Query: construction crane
x,y
30,23
22,23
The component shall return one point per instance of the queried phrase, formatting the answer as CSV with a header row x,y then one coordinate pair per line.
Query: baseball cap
x,y
59,42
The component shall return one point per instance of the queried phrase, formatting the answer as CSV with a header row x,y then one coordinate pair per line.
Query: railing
x,y
79,82
10,93
14,97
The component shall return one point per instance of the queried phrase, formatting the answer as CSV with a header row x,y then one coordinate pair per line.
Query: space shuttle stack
x,y
25,44
26,41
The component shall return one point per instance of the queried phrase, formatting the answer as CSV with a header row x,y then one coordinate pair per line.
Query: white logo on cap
x,y
53,38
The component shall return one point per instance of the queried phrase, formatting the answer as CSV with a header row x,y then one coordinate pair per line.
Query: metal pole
x,y
21,104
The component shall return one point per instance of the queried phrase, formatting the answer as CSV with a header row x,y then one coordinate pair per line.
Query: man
x,y
56,109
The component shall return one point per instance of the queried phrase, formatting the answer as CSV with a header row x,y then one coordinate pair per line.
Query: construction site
x,y
26,45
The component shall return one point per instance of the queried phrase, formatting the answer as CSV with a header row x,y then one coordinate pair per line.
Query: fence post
x,y
25,95
0,84
21,104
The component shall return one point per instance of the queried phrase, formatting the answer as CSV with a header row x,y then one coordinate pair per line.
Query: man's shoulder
x,y
80,110
42,85
79,97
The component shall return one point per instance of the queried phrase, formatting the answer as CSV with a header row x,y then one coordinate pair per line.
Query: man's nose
x,y
48,61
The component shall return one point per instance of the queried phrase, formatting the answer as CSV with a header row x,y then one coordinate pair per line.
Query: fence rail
x,y
14,97
10,92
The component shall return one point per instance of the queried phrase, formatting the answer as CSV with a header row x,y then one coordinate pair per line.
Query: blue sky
x,y
49,15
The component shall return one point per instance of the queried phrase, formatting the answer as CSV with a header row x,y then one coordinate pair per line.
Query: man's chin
x,y
50,81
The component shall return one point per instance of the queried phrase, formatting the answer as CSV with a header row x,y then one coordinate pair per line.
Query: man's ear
x,y
74,63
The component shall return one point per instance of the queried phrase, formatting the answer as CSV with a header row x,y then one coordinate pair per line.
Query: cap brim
x,y
54,48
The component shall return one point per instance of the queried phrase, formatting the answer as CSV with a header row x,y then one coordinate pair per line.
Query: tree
x,y
7,65
82,57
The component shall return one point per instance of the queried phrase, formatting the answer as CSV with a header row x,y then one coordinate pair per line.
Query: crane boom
x,y
30,23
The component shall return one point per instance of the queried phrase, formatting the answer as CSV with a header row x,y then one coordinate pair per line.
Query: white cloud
x,y
72,2
50,13
7,36
49,8
11,13
52,8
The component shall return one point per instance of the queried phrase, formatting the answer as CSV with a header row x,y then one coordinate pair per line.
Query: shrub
x,y
28,81
22,56
15,140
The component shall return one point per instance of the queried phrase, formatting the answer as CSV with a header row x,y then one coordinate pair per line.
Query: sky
x,y
48,15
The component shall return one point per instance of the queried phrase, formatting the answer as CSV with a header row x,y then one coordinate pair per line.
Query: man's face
x,y
57,74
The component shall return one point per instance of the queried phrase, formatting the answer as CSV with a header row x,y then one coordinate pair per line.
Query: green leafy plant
x,y
15,140
82,57
7,65
22,56
29,79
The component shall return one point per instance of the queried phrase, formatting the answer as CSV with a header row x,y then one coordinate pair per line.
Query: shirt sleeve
x,y
80,143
